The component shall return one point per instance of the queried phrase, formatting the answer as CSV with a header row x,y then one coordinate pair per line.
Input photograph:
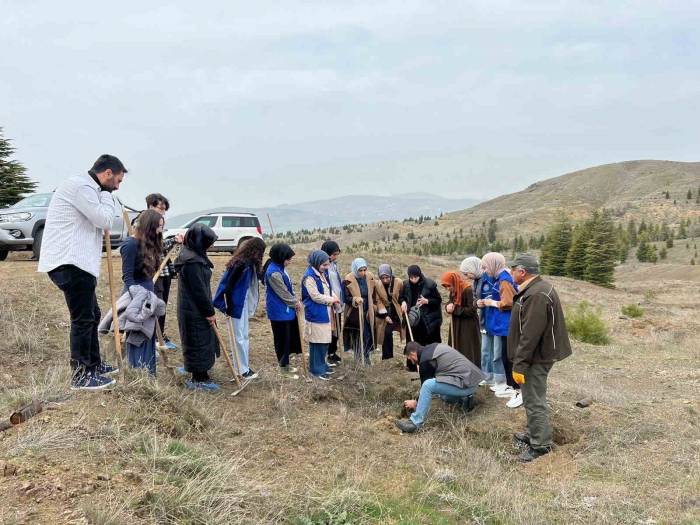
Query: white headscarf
x,y
357,265
472,265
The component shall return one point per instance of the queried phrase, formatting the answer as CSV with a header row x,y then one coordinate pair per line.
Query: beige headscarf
x,y
494,263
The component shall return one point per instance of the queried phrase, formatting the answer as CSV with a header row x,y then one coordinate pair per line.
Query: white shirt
x,y
78,214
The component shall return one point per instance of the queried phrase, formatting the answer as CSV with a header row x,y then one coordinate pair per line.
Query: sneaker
x,y
331,364
329,373
508,392
334,358
515,401
521,438
105,369
498,386
483,383
406,426
323,377
92,382
250,375
530,454
467,404
202,385
170,345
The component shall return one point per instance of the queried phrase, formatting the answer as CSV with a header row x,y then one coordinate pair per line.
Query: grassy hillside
x,y
285,451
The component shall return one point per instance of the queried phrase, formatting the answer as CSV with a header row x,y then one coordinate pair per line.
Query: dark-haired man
x,y
444,372
81,208
537,338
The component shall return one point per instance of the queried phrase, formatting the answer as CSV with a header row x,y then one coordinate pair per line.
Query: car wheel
x,y
36,247
3,254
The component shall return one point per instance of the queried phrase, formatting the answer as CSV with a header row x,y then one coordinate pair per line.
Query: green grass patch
x,y
632,310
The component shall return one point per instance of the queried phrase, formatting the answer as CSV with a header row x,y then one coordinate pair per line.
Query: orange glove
x,y
518,378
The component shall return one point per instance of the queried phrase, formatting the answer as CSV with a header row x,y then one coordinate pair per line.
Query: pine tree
x,y
663,253
493,228
556,248
576,259
667,195
689,195
682,233
632,232
601,252
669,241
645,251
14,184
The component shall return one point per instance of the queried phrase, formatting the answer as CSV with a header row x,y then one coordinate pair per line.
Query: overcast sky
x,y
261,103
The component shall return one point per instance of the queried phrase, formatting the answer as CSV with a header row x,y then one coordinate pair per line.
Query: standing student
x,y
422,293
388,321
141,255
536,340
195,312
499,307
318,301
282,306
238,295
472,270
157,202
335,282
359,301
464,317
81,209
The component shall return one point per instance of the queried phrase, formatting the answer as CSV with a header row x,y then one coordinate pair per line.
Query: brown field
x,y
287,451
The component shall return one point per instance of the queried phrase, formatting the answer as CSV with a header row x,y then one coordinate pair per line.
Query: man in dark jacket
x,y
537,337
443,372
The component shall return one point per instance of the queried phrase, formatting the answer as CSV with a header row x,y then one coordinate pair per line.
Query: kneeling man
x,y
444,372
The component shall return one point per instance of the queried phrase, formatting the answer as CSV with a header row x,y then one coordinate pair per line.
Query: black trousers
x,y
388,343
333,346
508,364
286,340
78,287
162,290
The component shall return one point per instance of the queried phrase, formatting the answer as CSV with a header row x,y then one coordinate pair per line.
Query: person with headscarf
x,y
334,281
359,289
464,317
318,302
498,308
420,302
282,306
481,285
388,318
238,295
195,312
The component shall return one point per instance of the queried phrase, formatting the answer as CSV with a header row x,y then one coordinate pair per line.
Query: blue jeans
x,y
492,364
431,388
143,356
317,359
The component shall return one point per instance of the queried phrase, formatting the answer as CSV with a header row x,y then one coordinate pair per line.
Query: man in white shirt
x,y
81,209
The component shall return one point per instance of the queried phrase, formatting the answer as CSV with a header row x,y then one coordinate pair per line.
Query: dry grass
x,y
287,451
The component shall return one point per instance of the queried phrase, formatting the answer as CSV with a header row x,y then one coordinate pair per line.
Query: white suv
x,y
230,228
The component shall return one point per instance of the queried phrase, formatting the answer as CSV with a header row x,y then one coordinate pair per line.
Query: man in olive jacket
x,y
537,337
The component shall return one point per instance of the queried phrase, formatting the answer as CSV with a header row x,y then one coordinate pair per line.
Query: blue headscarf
x,y
317,258
357,265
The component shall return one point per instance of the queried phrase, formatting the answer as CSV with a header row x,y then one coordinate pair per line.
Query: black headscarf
x,y
330,247
198,240
414,271
279,253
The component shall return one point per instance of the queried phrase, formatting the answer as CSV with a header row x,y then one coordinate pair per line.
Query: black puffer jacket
x,y
431,313
200,346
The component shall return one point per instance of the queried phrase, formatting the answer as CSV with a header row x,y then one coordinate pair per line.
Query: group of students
x,y
507,326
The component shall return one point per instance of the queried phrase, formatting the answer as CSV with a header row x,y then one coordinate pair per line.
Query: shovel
x,y
113,296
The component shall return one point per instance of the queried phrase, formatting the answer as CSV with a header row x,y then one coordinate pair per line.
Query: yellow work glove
x,y
518,378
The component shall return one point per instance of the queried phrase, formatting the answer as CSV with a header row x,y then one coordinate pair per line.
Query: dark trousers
x,y
388,343
535,403
286,339
162,290
508,364
78,287
333,346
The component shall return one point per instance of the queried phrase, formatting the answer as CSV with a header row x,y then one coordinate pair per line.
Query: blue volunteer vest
x,y
276,308
313,312
497,321
237,297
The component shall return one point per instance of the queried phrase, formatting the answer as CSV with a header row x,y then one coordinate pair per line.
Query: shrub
x,y
632,310
586,325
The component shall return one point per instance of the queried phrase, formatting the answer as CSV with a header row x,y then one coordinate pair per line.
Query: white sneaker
x,y
483,383
498,386
516,400
508,391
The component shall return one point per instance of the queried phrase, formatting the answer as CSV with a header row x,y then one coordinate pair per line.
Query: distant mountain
x,y
351,209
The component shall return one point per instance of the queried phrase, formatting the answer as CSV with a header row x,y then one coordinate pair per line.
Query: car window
x,y
249,222
207,221
34,201
231,222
